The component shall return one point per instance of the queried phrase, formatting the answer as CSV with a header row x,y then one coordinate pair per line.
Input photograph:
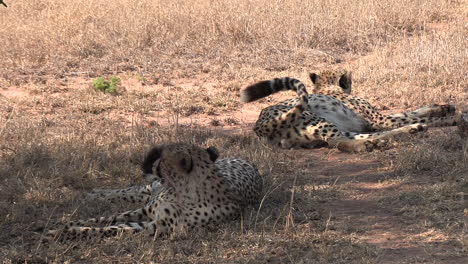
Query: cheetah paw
x,y
50,236
370,145
441,110
286,144
415,128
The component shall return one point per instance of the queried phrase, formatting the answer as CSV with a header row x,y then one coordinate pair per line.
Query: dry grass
x,y
419,70
192,37
61,138
437,168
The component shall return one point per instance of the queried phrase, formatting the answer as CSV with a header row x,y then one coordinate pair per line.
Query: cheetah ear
x,y
151,157
346,81
313,77
213,152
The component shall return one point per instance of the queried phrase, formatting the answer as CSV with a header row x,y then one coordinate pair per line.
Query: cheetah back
x,y
243,179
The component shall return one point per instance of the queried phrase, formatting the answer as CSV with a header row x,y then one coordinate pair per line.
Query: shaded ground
x,y
358,188
360,209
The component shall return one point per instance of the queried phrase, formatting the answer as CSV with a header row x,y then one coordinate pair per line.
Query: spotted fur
x,y
329,82
312,120
191,188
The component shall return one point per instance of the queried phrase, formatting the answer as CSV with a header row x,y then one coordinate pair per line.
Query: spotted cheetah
x,y
190,188
337,84
312,120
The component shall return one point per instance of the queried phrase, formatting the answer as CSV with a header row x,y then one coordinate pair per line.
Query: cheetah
x,y
190,188
337,84
321,119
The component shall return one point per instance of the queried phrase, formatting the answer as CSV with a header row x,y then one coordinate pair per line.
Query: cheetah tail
x,y
79,232
265,88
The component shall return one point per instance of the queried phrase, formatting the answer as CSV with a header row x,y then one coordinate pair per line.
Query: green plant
x,y
142,79
107,86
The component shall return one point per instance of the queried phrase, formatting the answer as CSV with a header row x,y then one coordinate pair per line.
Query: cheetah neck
x,y
332,90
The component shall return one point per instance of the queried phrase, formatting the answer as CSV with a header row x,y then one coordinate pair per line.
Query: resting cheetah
x,y
312,120
337,84
190,189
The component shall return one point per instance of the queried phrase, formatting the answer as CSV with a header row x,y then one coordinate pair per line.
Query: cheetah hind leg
x,y
357,145
354,142
297,144
408,129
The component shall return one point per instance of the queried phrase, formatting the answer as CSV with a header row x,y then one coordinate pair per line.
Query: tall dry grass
x,y
79,35
418,70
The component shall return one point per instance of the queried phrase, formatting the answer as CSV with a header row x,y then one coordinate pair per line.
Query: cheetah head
x,y
178,163
332,80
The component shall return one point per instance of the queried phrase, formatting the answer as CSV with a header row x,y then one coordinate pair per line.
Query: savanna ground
x,y
181,65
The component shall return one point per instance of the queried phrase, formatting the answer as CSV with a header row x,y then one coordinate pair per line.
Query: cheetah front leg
x,y
134,194
434,110
389,122
314,131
